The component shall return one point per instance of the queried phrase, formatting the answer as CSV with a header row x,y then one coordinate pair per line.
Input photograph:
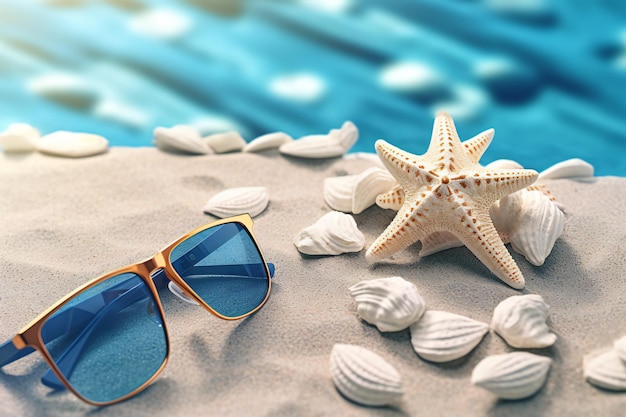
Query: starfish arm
x,y
490,185
438,241
406,168
407,227
478,233
476,146
446,151
391,200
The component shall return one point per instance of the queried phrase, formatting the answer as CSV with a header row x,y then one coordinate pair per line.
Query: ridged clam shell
x,y
335,143
180,138
72,144
391,304
333,234
521,321
368,185
440,336
234,201
571,168
531,221
225,142
355,193
512,376
620,348
363,376
605,370
268,141
19,138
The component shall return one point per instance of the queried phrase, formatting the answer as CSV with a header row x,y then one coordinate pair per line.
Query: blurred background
x,y
549,76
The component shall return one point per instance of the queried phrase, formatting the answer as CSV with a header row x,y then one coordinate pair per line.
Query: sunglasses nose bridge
x,y
154,263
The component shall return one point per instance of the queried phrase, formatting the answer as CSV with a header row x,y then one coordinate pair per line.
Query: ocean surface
x,y
550,77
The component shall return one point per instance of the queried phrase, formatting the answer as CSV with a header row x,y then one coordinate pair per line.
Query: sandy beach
x,y
64,222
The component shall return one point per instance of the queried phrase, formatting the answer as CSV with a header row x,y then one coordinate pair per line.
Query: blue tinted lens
x,y
108,340
224,267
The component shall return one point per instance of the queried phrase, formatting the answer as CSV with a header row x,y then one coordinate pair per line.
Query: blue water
x,y
550,77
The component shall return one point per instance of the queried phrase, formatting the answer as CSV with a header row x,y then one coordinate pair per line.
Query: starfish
x,y
447,190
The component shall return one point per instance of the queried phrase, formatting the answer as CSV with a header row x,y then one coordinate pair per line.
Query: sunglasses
x,y
107,340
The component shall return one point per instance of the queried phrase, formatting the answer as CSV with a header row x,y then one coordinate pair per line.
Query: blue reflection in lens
x,y
108,340
224,267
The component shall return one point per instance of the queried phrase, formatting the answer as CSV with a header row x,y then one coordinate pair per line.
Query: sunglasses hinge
x,y
19,342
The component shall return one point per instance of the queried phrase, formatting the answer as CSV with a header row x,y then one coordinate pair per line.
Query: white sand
x,y
63,222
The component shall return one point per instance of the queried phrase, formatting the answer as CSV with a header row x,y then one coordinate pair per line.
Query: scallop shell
x,y
605,370
268,141
333,234
391,304
512,376
620,348
440,336
335,143
531,221
180,138
571,168
72,144
225,142
363,376
521,321
19,138
234,201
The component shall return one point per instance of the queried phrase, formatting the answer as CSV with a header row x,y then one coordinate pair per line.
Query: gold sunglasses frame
x,y
30,335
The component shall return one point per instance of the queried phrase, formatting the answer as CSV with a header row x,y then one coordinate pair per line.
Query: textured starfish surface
x,y
447,190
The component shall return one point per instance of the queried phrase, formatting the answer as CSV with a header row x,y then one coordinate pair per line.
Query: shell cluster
x,y
512,376
607,369
234,201
521,321
23,138
391,304
364,377
333,234
440,336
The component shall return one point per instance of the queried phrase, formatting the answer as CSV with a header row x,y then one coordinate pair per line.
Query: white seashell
x,y
234,201
180,138
64,88
531,221
355,193
440,336
333,234
605,370
335,143
368,185
19,138
391,304
571,168
225,142
268,141
504,164
521,321
512,376
72,144
338,192
363,376
210,124
620,348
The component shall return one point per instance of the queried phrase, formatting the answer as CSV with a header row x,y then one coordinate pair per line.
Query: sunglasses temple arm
x,y
9,353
